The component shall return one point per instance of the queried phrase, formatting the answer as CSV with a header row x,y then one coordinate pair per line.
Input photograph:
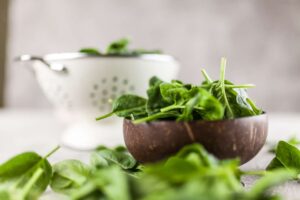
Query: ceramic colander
x,y
82,87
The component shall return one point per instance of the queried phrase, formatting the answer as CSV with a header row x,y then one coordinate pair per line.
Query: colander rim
x,y
78,55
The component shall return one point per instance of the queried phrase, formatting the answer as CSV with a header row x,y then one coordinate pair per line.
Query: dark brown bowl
x,y
233,138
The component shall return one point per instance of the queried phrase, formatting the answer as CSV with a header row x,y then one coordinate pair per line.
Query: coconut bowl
x,y
230,138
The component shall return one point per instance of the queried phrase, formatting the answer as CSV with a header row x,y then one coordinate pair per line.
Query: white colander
x,y
83,86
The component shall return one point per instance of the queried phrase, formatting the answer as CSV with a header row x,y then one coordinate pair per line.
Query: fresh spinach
x,y
69,175
90,51
287,156
119,47
192,174
25,176
212,100
130,106
104,157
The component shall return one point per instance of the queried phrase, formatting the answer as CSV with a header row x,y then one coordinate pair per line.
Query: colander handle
x,y
57,67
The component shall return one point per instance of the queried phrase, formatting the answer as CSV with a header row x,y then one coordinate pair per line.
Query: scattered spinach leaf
x,y
25,176
105,157
287,156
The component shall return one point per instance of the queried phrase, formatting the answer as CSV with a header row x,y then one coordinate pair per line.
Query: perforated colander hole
x,y
115,79
112,97
103,80
95,86
114,88
125,81
104,100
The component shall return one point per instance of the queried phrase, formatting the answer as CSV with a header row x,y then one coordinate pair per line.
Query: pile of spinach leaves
x,y
212,100
113,174
119,47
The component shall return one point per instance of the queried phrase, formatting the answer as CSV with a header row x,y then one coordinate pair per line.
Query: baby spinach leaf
x,y
91,51
104,157
31,178
18,165
155,100
127,105
118,47
69,175
287,156
233,97
173,93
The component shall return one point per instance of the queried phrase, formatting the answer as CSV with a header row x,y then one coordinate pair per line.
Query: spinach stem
x,y
171,107
257,172
206,76
152,117
105,116
51,152
222,85
37,174
240,86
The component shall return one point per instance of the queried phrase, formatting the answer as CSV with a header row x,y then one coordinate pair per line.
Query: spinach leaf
x,y
233,97
105,157
31,178
118,47
69,175
106,183
155,100
287,156
127,106
91,51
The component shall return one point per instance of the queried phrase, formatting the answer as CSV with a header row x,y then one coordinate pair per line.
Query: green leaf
x,y
127,106
69,175
288,155
18,165
155,100
31,178
274,164
91,51
119,156
118,47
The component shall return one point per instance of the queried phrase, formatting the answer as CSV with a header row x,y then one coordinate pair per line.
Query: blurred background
x,y
261,40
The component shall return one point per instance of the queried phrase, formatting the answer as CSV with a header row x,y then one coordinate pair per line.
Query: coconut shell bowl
x,y
230,138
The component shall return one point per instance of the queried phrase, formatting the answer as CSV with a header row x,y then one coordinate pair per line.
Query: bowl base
x,y
89,135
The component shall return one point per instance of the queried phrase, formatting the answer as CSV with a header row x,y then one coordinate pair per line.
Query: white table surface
x,y
40,130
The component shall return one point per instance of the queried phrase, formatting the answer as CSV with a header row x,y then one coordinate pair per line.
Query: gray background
x,y
260,38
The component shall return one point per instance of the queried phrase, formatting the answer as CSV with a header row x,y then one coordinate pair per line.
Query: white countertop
x,y
40,131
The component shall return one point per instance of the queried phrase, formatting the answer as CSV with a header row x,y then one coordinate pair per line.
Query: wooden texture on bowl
x,y
240,137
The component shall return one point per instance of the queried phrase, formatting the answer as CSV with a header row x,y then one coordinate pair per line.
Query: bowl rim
x,y
78,55
264,114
